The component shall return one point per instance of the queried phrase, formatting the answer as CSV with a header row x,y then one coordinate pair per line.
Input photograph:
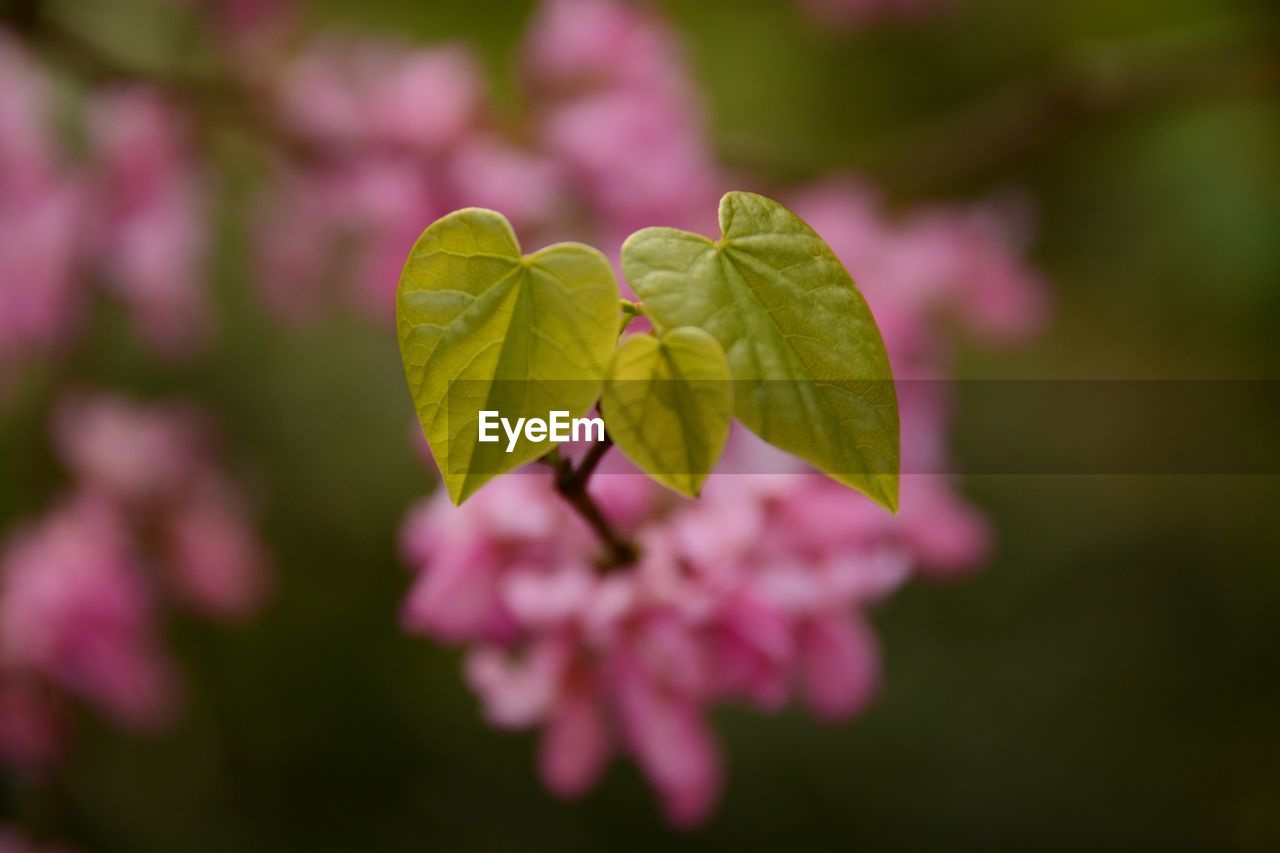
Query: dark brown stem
x,y
571,484
589,462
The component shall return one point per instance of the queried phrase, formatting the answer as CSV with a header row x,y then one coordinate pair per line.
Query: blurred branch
x,y
980,139
224,100
34,26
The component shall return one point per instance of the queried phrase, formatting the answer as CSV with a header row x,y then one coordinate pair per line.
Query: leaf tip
x,y
888,488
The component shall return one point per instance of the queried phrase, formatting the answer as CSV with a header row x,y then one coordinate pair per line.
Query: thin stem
x,y
630,311
589,462
571,484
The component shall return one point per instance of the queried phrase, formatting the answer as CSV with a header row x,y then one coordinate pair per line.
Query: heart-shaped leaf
x,y
482,327
811,375
668,403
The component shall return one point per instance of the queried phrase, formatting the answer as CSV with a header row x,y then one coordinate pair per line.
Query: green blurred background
x,y
1110,680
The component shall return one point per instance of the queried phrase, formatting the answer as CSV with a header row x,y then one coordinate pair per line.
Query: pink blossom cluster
x,y
754,593
618,111
127,216
387,138
149,522
963,262
758,591
376,127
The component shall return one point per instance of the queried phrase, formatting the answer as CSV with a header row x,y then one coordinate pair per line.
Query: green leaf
x,y
810,371
668,403
482,327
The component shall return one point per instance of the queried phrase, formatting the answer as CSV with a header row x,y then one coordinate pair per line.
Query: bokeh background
x,y
1107,679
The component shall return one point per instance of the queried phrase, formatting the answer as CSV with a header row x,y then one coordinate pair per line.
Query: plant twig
x,y
589,462
571,484
224,99
982,138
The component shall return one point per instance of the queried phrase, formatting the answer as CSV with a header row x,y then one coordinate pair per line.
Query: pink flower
x,y
135,453
385,205
81,590
523,185
641,160
74,609
666,733
40,218
840,665
754,646
292,229
948,535
150,218
216,563
459,597
759,591
577,44
425,99
40,297
155,463
576,742
965,262
348,94
350,224
621,116
519,688
756,592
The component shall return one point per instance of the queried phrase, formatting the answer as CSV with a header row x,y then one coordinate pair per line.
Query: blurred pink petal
x,y
293,230
424,99
575,744
40,298
840,670
754,651
41,219
640,159
757,590
133,452
526,187
947,534
384,206
216,563
542,598
150,216
349,93
417,533
670,741
575,44
458,597
518,689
